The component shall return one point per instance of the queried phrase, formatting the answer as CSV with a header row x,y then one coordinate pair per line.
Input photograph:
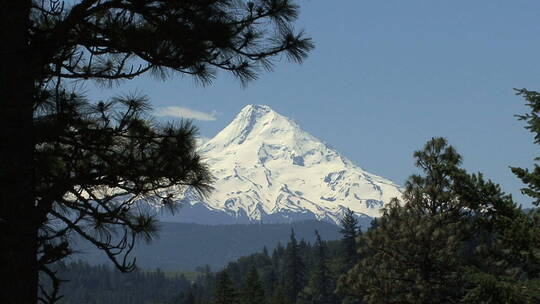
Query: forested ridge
x,y
187,246
103,284
321,269
258,278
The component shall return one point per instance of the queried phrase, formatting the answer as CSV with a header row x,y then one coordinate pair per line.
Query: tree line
x,y
297,271
102,284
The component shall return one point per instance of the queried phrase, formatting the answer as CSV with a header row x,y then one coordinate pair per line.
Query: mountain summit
x,y
268,169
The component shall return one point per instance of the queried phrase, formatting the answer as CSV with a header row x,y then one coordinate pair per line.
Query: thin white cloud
x,y
181,112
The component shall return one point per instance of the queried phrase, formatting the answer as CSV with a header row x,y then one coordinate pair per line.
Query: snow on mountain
x,y
268,169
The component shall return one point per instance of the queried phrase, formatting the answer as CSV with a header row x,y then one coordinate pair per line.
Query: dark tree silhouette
x,y
532,120
454,237
70,166
350,231
320,288
252,291
295,270
225,292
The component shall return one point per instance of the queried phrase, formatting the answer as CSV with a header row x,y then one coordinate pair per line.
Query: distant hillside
x,y
187,246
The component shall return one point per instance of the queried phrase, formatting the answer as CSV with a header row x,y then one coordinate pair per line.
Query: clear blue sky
x,y
388,75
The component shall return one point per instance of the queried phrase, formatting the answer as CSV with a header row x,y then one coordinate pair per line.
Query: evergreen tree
x,y
421,247
73,166
224,292
253,292
349,230
278,256
279,296
271,281
506,263
189,298
294,278
320,287
532,120
510,268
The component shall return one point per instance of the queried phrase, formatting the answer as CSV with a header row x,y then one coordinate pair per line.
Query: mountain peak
x,y
250,115
266,167
254,108
250,123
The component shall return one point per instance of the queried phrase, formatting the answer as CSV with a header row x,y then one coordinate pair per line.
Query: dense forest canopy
x,y
258,278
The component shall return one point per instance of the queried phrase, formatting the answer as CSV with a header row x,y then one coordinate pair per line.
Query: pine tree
x,y
84,164
320,286
294,278
271,281
279,296
509,271
532,120
278,255
224,292
253,292
349,230
421,247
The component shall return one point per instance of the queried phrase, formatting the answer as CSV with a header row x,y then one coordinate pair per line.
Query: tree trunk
x,y
18,222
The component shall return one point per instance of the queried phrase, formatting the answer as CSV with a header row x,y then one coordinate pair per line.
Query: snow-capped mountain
x,y
268,169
